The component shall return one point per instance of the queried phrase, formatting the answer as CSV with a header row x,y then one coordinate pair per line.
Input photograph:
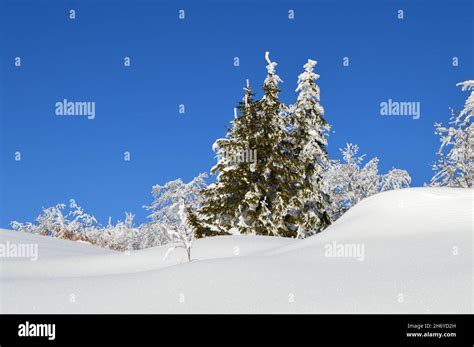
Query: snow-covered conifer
x,y
280,190
272,182
308,131
237,154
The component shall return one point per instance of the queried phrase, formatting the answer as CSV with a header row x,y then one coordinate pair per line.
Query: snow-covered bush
x,y
121,236
394,179
172,207
151,235
74,224
349,181
57,221
455,165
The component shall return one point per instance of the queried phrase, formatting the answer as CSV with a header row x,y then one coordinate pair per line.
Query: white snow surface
x,y
417,259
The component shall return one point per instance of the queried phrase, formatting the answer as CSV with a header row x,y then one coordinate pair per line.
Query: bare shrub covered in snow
x,y
173,208
74,224
455,165
58,221
349,181
121,236
151,235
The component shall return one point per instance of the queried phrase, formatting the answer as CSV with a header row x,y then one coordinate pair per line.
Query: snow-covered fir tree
x,y
253,197
272,183
308,131
455,165
223,201
172,207
349,181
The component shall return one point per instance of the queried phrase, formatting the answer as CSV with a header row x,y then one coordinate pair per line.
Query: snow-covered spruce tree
x,y
308,131
259,197
266,185
273,178
172,206
455,166
223,201
348,182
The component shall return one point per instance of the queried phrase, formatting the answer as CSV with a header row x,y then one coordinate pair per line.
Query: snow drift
x,y
404,251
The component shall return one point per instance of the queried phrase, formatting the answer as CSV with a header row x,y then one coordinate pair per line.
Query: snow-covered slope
x,y
402,251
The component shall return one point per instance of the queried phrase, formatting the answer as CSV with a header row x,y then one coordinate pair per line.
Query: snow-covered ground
x,y
405,251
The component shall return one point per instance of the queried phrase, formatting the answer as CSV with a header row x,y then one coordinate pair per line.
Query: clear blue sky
x,y
191,62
